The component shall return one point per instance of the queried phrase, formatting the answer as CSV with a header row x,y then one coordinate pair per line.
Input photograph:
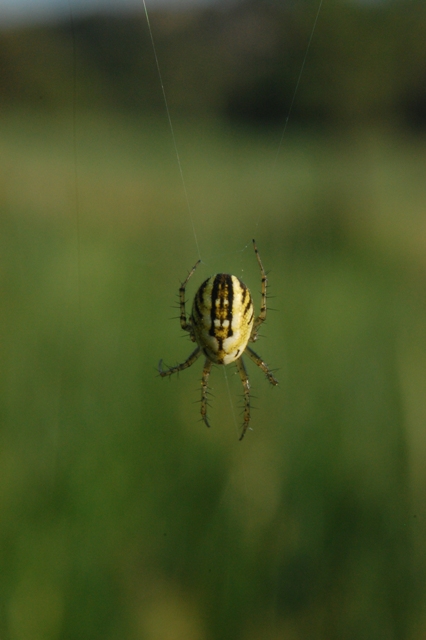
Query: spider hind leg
x,y
179,367
246,385
262,365
204,390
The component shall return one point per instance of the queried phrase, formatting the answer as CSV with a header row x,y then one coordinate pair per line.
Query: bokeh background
x,y
121,515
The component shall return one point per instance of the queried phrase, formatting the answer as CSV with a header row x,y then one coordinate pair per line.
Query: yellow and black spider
x,y
222,323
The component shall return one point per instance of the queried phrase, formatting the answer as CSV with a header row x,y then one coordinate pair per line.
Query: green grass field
x,y
121,515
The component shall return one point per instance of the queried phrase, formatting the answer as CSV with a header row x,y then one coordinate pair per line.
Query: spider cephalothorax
x,y
222,323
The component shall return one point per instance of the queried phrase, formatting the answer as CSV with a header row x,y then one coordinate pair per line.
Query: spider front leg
x,y
179,367
262,365
204,388
262,315
184,323
246,384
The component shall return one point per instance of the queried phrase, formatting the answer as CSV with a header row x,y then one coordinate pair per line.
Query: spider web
x,y
200,249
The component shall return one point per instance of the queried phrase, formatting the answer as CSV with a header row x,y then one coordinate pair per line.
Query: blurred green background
x,y
121,515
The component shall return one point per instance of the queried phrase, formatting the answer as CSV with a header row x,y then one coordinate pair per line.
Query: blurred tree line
x,y
239,60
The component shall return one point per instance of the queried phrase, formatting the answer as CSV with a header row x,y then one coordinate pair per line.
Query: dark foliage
x,y
239,61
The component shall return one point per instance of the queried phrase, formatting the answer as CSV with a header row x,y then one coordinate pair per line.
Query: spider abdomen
x,y
222,317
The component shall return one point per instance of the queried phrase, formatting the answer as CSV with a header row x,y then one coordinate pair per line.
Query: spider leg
x,y
204,380
246,384
179,367
184,323
262,315
260,363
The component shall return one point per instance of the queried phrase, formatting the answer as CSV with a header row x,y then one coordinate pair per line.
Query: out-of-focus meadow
x,y
121,515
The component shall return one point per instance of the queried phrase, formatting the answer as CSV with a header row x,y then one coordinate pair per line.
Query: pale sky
x,y
27,11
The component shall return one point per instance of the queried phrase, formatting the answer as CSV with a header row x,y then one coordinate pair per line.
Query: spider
x,y
222,323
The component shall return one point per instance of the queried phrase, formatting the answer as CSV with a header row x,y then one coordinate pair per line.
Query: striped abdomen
x,y
222,317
